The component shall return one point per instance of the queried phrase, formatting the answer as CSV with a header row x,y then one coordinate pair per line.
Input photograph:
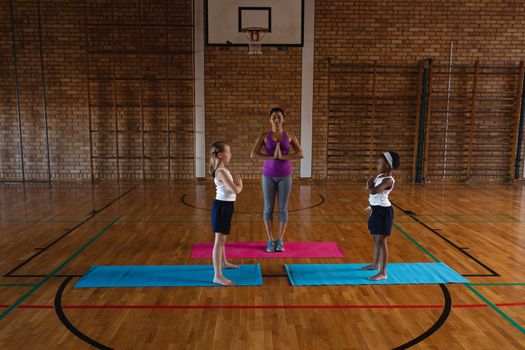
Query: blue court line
x,y
55,271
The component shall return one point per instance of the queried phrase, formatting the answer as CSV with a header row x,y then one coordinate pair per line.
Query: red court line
x,y
511,304
261,306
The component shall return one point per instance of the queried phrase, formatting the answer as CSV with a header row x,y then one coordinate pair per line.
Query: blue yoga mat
x,y
351,274
166,276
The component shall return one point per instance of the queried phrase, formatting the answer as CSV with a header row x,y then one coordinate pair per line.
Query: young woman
x,y
274,147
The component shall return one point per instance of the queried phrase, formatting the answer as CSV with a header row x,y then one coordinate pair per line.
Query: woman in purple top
x,y
274,148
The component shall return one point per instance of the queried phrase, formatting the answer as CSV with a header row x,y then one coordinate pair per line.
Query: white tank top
x,y
381,198
223,192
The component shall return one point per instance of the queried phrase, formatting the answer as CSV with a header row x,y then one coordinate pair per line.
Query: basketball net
x,y
255,36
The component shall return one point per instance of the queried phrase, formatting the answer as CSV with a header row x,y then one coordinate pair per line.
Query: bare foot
x,y
378,277
223,281
369,267
229,266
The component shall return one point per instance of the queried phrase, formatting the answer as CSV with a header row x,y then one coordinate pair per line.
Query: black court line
x,y
41,250
447,307
478,275
42,276
62,317
452,244
321,202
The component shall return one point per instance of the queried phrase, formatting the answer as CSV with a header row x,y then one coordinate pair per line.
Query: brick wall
x,y
113,60
240,89
9,145
404,32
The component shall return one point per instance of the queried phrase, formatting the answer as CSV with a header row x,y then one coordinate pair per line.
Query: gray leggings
x,y
282,186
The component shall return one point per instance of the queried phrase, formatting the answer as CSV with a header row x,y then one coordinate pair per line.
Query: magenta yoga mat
x,y
258,250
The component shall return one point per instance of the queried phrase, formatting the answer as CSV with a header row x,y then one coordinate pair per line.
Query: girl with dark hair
x,y
382,214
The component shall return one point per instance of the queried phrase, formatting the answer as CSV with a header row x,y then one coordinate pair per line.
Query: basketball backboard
x,y
283,20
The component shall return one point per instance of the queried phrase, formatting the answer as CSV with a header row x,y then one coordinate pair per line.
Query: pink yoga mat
x,y
257,250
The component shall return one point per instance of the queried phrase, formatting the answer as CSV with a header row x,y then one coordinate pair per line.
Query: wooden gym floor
x,y
51,235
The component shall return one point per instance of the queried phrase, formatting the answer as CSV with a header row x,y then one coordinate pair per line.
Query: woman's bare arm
x,y
297,148
256,150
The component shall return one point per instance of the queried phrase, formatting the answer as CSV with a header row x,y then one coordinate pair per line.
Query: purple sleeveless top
x,y
277,167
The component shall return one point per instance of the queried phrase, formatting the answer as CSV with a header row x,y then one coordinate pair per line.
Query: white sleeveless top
x,y
223,192
381,198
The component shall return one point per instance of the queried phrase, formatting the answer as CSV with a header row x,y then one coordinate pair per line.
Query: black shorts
x,y
381,220
221,216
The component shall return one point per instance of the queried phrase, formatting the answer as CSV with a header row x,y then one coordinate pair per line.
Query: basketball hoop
x,y
255,36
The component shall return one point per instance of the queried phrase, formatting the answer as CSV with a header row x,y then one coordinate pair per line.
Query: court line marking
x,y
436,326
321,202
413,240
510,284
7,215
206,307
59,310
56,270
503,284
488,302
67,233
493,273
205,220
42,276
497,309
447,308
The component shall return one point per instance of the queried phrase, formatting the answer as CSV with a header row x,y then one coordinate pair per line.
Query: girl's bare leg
x,y
383,253
225,264
375,264
218,251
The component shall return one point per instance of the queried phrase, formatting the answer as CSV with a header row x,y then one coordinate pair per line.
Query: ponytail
x,y
215,149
